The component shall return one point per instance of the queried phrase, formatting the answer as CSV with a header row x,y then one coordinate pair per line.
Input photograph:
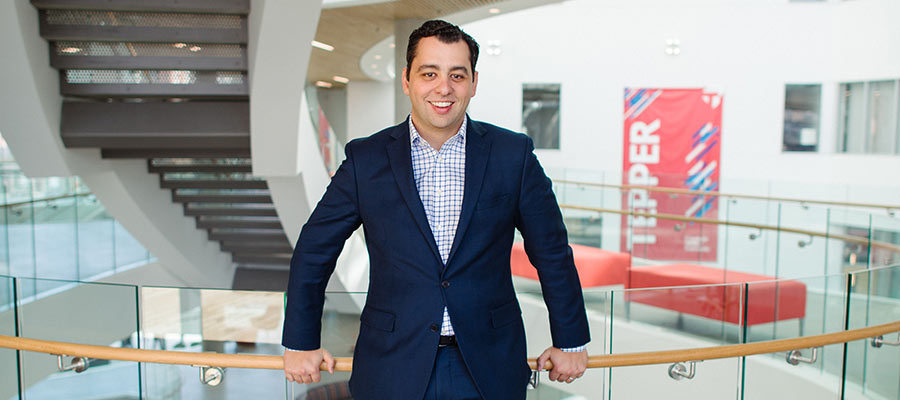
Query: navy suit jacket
x,y
505,189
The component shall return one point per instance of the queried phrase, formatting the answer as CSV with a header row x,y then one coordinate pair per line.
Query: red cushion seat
x,y
596,267
767,301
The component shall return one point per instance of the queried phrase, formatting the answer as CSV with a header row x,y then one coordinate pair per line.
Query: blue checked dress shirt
x,y
440,177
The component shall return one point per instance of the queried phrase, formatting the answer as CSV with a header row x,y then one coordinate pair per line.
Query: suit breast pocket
x,y
381,320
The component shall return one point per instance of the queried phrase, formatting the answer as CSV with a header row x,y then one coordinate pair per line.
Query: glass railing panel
x,y
4,230
885,236
747,249
672,318
127,249
95,238
9,365
874,372
19,211
851,230
801,254
204,320
790,308
55,241
96,314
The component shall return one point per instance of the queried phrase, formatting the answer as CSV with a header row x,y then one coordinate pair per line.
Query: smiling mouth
x,y
441,104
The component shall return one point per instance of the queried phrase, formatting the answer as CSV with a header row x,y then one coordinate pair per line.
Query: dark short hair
x,y
446,33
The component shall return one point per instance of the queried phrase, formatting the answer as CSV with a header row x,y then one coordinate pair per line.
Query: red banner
x,y
672,139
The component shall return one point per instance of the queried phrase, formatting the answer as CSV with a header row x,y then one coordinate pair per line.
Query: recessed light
x,y
179,45
323,84
393,45
323,46
70,50
378,56
494,11
374,65
195,48
341,79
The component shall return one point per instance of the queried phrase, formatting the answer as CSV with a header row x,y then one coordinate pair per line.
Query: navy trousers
x,y
450,379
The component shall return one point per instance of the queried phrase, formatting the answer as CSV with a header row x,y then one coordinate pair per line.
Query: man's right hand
x,y
303,366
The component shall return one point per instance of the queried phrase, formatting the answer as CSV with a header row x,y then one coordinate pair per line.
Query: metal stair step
x,y
249,236
231,211
255,258
211,168
212,184
244,223
222,198
173,153
237,247
197,6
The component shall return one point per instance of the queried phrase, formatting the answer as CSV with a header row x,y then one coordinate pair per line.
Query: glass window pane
x,y
880,118
852,120
540,114
801,117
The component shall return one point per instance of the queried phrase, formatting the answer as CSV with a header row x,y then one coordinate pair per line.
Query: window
x,y
540,114
801,117
868,118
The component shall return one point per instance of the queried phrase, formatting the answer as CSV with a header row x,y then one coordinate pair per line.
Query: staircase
x,y
166,81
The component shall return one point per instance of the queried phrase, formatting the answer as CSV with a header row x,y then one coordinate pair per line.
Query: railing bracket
x,y
535,379
211,376
679,371
78,364
795,357
879,341
804,243
756,235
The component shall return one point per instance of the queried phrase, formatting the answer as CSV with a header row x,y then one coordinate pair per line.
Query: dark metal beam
x,y
231,211
214,168
195,6
157,125
221,198
211,184
173,153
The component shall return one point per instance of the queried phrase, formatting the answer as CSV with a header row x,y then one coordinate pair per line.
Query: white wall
x,y
370,108
746,49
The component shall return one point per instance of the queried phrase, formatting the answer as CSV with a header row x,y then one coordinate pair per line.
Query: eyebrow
x,y
433,66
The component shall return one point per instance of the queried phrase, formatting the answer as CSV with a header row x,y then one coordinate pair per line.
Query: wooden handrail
x,y
675,217
346,363
887,207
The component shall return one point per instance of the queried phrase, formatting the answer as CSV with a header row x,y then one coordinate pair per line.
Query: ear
x,y
474,83
405,82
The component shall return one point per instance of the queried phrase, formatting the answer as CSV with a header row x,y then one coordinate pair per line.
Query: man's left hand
x,y
566,366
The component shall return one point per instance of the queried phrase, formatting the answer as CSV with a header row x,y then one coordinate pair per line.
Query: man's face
x,y
440,84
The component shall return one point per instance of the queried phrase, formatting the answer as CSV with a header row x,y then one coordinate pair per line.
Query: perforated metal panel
x,y
229,78
80,48
105,76
142,19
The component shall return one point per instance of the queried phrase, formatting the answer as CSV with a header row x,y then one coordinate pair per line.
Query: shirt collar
x,y
414,134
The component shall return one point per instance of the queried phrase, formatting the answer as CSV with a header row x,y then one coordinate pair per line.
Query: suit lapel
x,y
478,147
401,164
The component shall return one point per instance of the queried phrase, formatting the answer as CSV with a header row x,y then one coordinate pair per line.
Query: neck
x,y
436,139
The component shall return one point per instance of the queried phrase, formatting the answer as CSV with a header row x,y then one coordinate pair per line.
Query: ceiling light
x,y
323,84
322,46
341,79
70,50
374,65
196,48
494,11
393,45
378,56
179,45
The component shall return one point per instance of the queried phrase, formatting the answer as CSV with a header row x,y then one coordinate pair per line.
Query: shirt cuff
x,y
574,349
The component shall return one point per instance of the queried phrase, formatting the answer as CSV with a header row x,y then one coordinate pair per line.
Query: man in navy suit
x,y
439,197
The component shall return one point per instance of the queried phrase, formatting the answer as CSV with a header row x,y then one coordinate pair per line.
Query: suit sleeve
x,y
546,243
321,241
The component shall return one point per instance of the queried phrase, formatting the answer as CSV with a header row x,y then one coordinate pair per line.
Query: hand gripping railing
x,y
216,361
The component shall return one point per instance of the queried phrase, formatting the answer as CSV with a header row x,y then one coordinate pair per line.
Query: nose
x,y
443,87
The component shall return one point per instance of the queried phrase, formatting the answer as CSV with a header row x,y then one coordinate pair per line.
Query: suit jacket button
x,y
445,284
433,327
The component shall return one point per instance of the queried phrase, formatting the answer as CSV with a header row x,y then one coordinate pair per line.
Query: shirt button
x,y
445,284
433,327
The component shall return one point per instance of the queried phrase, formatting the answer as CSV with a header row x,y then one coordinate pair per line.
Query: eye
x,y
429,74
458,77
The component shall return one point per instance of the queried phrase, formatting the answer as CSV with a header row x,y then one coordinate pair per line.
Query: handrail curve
x,y
675,217
345,363
887,207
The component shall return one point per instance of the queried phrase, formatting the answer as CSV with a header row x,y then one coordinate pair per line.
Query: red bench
x,y
767,301
596,267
